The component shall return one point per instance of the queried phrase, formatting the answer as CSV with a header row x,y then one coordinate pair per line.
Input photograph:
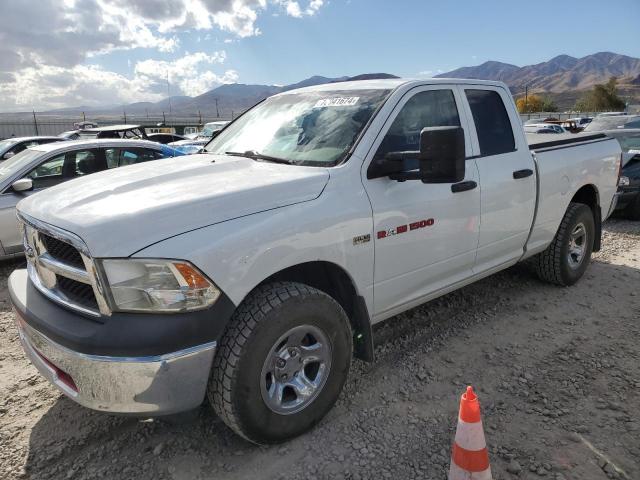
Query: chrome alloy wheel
x,y
295,369
577,246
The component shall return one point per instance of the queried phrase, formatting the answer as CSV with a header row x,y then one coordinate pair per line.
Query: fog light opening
x,y
61,376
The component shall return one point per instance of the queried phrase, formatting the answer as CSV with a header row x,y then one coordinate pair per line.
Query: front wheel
x,y
567,257
281,363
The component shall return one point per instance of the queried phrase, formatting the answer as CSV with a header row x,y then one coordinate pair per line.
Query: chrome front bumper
x,y
153,385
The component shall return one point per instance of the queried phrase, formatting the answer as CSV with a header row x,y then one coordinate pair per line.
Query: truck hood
x,y
123,210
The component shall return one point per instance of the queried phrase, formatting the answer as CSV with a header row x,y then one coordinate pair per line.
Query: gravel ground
x,y
557,371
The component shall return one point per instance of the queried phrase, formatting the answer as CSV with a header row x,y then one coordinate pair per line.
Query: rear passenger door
x,y
507,176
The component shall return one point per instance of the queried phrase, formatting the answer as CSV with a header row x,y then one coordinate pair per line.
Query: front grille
x,y
77,292
61,267
62,251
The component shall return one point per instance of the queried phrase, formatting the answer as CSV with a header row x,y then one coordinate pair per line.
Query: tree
x,y
603,97
548,105
530,104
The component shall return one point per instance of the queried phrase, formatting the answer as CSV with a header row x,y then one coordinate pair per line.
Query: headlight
x,y
624,182
144,285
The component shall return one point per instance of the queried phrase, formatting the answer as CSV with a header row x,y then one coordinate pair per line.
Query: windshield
x,y
17,162
308,128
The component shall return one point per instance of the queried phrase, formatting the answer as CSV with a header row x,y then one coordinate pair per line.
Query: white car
x,y
252,273
45,165
544,128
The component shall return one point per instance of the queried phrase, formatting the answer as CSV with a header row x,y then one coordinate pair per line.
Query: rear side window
x,y
119,157
493,127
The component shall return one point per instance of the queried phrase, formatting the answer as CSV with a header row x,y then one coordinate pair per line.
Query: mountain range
x,y
562,77
560,74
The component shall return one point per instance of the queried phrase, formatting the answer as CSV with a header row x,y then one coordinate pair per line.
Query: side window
x,y
495,133
65,167
86,162
128,157
432,108
119,157
48,173
112,157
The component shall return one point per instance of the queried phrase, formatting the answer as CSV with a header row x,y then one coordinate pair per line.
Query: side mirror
x,y
22,185
8,155
442,155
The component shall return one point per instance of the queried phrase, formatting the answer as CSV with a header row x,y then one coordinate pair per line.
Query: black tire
x,y
234,388
554,265
633,209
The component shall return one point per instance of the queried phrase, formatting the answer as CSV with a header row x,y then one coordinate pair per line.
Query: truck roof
x,y
392,83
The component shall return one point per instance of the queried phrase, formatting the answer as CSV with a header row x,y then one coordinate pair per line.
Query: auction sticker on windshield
x,y
337,102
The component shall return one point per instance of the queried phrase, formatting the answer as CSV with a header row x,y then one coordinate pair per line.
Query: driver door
x,y
426,235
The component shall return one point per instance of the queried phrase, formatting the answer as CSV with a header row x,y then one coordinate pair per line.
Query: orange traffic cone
x,y
469,458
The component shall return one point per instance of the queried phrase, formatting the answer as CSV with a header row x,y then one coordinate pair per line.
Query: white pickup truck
x,y
252,273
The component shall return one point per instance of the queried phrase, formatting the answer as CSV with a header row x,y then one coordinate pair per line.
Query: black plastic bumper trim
x,y
121,334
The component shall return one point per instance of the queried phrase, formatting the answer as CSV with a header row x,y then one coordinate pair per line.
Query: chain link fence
x,y
43,124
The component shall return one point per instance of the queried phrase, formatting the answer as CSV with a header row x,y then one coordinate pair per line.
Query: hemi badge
x,y
360,239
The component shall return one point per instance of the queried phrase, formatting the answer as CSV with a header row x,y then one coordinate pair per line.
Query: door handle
x,y
527,172
463,186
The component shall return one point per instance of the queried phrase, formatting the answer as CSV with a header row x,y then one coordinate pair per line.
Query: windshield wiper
x,y
259,156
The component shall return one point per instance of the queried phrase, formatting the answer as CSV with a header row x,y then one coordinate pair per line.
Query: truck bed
x,y
548,140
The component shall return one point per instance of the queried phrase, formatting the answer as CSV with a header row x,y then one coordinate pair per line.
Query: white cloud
x,y
54,86
294,9
188,75
44,48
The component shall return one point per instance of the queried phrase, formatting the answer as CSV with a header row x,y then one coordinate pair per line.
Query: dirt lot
x,y
557,371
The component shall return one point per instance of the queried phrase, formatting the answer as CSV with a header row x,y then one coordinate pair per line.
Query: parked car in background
x,y
580,122
609,122
115,131
210,131
84,125
629,183
190,132
70,135
15,145
46,165
165,138
544,128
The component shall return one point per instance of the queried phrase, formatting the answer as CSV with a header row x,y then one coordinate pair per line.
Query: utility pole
x,y
35,122
125,115
526,97
217,111
84,118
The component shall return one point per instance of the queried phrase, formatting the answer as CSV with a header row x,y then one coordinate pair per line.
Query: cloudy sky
x,y
58,53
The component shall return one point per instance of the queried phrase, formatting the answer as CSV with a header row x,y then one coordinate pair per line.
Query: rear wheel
x,y
567,257
281,363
